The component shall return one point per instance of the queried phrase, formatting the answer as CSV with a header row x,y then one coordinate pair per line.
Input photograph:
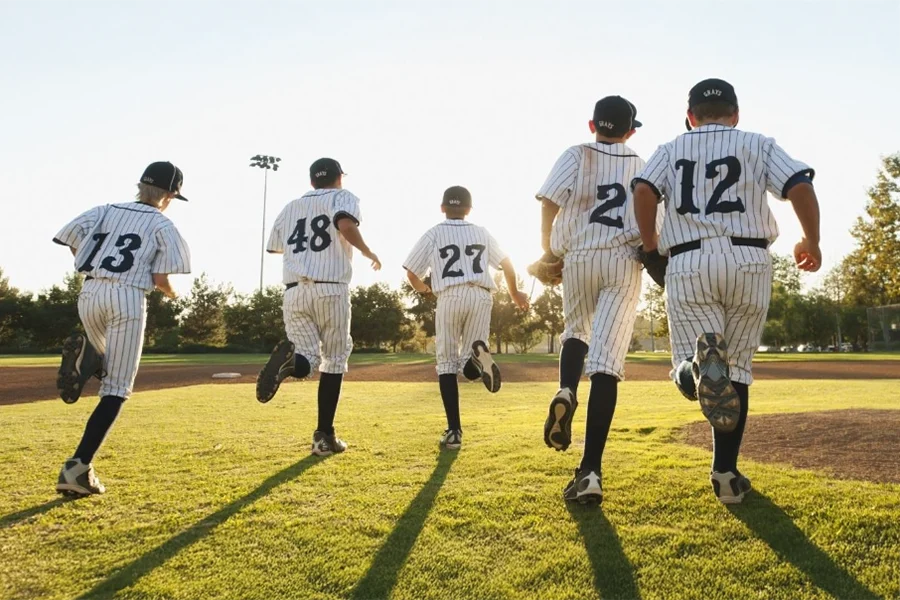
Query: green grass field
x,y
212,495
45,360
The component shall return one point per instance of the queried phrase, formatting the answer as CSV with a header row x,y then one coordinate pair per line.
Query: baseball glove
x,y
547,270
655,264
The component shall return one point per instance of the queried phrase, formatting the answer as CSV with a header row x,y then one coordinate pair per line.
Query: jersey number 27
x,y
612,196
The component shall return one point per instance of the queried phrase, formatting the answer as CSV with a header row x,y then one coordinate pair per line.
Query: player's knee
x,y
302,368
471,370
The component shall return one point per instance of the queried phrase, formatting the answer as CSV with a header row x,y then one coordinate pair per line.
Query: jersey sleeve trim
x,y
61,243
343,214
653,187
804,176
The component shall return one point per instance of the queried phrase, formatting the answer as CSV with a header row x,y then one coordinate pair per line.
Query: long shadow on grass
x,y
381,577
16,517
129,574
773,526
613,572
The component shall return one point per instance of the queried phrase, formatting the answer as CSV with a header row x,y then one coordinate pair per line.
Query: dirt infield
x,y
27,384
847,444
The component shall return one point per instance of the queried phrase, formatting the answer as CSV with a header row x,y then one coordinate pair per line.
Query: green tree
x,y
422,308
203,321
256,322
503,314
379,317
15,309
162,320
54,314
872,273
548,311
654,313
525,333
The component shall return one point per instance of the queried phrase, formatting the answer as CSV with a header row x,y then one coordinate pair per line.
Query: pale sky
x,y
411,97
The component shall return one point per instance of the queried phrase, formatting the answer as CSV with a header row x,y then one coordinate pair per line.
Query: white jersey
x,y
590,184
306,233
714,180
455,252
126,243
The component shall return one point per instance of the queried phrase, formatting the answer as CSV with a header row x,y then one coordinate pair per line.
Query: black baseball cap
x,y
712,90
615,114
457,196
165,176
325,169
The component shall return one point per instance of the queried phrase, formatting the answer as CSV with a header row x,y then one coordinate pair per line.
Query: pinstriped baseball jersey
x,y
126,243
456,252
715,179
589,183
306,233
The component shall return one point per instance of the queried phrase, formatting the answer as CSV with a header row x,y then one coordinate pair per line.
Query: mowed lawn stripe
x,y
212,495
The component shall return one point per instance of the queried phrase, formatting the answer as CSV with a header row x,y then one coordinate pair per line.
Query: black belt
x,y
695,245
288,286
87,277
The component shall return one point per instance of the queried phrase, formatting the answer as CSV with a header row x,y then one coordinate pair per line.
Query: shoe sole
x,y
490,372
68,380
451,446
588,499
718,398
74,490
731,499
269,379
558,426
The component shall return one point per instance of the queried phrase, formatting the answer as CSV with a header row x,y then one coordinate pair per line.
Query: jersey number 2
x,y
452,251
715,205
126,244
321,239
613,196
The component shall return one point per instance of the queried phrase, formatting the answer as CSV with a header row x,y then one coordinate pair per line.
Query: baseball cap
x,y
457,196
325,169
165,176
615,114
712,90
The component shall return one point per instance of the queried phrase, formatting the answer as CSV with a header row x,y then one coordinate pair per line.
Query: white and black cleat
x,y
718,399
79,363
78,479
279,367
558,426
490,372
452,439
324,444
729,487
585,488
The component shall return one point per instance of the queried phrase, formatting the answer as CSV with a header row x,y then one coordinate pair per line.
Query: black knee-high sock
x,y
450,396
97,427
600,410
571,363
329,394
727,445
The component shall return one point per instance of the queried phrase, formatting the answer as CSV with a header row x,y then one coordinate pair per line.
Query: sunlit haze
x,y
410,97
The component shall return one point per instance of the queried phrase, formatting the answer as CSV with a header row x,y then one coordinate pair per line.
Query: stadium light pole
x,y
264,162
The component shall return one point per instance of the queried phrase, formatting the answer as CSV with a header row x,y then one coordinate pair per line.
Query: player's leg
x,y
447,327
81,359
612,328
332,315
476,330
296,356
581,287
750,287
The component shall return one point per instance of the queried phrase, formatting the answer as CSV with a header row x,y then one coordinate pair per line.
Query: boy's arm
x,y
161,282
807,253
416,283
350,231
645,207
509,272
549,211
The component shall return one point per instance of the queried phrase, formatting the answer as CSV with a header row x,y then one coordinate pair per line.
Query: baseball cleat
x,y
78,479
79,363
683,376
585,488
490,372
326,445
729,487
279,368
558,426
452,439
718,399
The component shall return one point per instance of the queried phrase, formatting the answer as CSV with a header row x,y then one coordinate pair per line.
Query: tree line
x,y
213,317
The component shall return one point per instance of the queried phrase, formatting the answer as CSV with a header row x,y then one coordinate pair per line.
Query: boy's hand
x,y
376,264
808,256
520,299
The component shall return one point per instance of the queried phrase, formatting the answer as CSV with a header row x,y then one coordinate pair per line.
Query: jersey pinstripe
x,y
317,321
589,183
455,252
306,233
126,243
714,181
462,317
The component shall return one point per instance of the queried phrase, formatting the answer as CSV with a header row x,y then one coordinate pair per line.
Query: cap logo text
x,y
453,201
605,124
147,179
321,173
709,93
